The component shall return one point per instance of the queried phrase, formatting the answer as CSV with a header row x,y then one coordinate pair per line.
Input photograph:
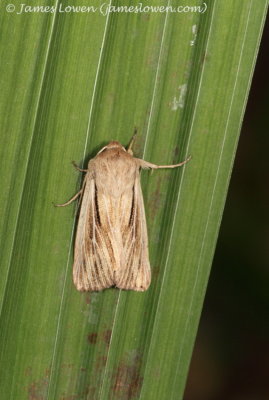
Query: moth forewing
x,y
135,272
111,246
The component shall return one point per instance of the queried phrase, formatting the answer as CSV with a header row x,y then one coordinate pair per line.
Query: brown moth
x,y
111,246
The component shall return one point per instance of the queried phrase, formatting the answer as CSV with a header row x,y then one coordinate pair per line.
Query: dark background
x,y
231,354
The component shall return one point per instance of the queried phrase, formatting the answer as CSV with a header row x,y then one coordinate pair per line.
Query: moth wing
x,y
93,266
135,273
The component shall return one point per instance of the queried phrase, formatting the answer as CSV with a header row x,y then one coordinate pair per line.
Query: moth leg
x,y
74,197
129,149
77,167
146,164
71,200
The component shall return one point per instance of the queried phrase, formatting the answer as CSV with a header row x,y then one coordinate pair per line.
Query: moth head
x,y
112,145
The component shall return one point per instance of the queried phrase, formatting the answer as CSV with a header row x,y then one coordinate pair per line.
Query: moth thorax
x,y
114,145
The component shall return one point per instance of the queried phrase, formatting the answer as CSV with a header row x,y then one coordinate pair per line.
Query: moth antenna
x,y
129,149
78,168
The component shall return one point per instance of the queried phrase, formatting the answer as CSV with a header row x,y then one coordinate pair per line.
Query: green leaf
x,y
71,82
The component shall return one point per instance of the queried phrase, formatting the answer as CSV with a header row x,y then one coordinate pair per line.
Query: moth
x,y
111,245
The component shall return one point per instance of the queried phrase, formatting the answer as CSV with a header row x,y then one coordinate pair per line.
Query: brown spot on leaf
x,y
145,16
176,154
67,366
101,362
92,338
155,199
127,381
205,58
28,371
87,298
90,392
37,390
107,336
